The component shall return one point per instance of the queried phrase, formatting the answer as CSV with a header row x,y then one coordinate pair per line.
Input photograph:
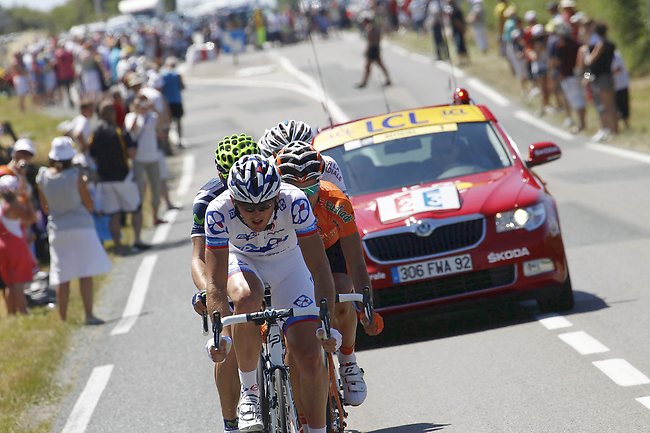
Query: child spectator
x,y
621,85
16,261
75,250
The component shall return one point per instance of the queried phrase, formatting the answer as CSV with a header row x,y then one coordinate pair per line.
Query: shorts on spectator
x,y
575,95
176,110
623,103
119,196
603,82
163,171
21,85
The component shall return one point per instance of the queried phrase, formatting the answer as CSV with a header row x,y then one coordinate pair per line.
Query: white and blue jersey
x,y
272,255
332,173
292,218
206,194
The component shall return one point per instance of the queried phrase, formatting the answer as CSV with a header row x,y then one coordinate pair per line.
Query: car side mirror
x,y
541,153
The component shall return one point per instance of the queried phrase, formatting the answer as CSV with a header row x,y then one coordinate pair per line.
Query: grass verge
x,y
493,70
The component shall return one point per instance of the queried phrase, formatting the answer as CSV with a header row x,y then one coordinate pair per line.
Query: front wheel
x,y
281,409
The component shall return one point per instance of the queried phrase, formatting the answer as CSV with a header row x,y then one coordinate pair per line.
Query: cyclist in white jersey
x,y
283,133
229,149
264,231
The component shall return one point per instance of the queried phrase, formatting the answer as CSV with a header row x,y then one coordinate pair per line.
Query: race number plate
x,y
432,268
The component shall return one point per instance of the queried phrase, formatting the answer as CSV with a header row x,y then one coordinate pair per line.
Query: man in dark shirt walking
x,y
111,149
373,49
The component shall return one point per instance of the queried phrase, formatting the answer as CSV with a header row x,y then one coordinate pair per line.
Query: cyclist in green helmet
x,y
229,149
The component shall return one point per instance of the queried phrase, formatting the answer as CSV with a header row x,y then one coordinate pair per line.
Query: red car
x,y
448,210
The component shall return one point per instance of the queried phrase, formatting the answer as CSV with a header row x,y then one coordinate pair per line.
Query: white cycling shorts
x,y
287,274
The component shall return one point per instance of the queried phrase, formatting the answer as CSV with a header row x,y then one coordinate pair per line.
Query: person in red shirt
x,y
65,73
302,166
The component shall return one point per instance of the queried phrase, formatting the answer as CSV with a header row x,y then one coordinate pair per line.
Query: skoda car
x,y
448,210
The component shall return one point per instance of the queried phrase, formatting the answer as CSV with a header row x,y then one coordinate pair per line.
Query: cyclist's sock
x,y
248,381
230,425
346,355
317,430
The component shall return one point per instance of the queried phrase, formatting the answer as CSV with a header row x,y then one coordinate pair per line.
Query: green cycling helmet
x,y
231,148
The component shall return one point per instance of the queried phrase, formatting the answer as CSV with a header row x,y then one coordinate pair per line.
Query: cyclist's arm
x,y
198,263
216,273
351,246
313,252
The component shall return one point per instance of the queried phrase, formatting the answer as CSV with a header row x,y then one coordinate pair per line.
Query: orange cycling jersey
x,y
334,214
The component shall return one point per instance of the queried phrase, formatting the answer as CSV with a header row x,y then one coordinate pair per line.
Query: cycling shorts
x,y
287,275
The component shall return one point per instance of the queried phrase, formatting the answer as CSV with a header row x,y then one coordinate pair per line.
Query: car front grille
x,y
408,245
443,287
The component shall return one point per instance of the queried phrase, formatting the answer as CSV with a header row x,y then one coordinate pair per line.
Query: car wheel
x,y
562,301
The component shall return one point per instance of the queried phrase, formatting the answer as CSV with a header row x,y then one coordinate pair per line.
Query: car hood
x,y
483,193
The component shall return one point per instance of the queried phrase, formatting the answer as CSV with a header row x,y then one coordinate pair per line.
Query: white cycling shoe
x,y
250,413
354,387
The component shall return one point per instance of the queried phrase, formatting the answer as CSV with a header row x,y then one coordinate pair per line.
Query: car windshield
x,y
416,156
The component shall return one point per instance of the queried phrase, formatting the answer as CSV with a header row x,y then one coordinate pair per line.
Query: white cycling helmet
x,y
283,133
253,179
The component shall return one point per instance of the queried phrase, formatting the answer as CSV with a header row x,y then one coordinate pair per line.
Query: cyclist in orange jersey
x,y
302,166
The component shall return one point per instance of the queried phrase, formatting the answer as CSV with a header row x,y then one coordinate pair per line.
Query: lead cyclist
x,y
229,149
302,166
286,132
264,231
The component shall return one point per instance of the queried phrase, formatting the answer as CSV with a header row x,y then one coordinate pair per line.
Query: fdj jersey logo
x,y
303,301
300,211
216,223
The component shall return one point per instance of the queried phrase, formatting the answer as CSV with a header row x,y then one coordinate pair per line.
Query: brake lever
x,y
204,315
217,327
325,318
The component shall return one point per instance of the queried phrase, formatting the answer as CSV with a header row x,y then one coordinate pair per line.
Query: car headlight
x,y
528,218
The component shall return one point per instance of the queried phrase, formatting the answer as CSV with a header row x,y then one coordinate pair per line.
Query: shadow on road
x,y
428,325
410,428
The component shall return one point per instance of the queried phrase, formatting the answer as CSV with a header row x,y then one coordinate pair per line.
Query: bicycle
x,y
279,413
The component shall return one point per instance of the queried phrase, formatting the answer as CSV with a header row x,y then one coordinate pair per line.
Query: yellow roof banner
x,y
391,122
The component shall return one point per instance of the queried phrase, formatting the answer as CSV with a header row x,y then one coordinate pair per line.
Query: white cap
x,y
537,30
530,16
62,149
8,183
567,4
155,80
25,145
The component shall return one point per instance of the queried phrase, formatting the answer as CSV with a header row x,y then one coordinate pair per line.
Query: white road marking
x,y
492,94
137,296
421,58
554,321
337,113
162,231
399,50
442,64
622,372
529,118
584,343
88,399
189,161
644,401
623,153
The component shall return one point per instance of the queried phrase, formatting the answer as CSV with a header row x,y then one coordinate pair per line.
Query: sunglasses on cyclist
x,y
311,190
252,207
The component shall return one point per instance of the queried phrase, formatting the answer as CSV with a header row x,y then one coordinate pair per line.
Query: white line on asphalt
x,y
584,343
420,58
87,401
623,153
399,50
441,64
554,321
338,115
622,372
644,401
529,118
136,298
162,231
489,92
186,175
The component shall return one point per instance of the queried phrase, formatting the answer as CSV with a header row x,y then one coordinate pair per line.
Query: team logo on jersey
x,y
232,214
198,220
303,301
300,210
282,205
270,245
247,236
216,222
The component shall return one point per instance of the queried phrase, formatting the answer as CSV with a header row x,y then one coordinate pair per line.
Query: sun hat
x,y
155,80
62,149
567,4
530,16
8,183
24,145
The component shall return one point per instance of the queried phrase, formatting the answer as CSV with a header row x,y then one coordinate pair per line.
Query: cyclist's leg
x,y
345,316
227,381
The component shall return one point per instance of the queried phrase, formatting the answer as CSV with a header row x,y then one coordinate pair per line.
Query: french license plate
x,y
432,268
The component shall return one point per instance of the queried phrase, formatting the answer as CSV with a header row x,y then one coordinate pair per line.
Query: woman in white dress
x,y
75,249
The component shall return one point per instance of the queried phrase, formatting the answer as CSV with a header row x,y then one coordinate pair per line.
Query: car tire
x,y
562,301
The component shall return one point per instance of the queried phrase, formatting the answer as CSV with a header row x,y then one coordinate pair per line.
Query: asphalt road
x,y
495,370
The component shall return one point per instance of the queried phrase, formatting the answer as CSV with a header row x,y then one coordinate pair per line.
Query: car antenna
x,y
320,79
451,82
